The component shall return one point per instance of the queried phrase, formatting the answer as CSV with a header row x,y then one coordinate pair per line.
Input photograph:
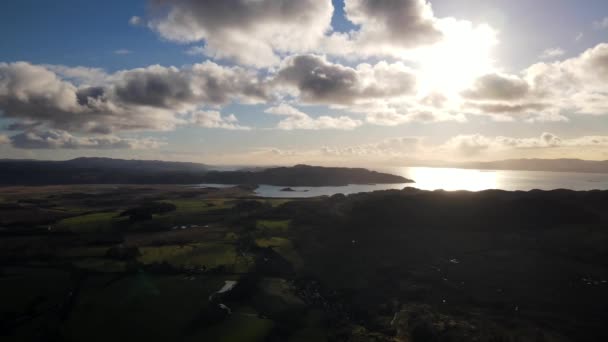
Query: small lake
x,y
450,179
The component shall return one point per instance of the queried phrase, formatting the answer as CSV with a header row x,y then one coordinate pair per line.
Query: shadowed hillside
x,y
117,171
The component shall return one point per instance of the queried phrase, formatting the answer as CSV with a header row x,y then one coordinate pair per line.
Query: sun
x,y
464,54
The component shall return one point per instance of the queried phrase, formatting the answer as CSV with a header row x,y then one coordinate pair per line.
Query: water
x,y
428,178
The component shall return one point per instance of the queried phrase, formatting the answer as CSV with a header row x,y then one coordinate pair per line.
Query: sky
x,y
268,82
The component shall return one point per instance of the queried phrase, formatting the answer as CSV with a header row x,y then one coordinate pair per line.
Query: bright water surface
x,y
428,178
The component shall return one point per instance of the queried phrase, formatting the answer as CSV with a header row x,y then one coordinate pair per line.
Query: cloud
x,y
601,24
391,147
468,144
122,52
392,23
214,119
576,84
136,21
56,139
78,75
498,87
395,116
296,119
250,32
259,33
317,80
390,151
195,50
475,144
408,30
205,83
151,98
552,53
4,139
545,91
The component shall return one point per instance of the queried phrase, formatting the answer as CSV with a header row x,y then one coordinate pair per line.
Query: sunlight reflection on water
x,y
451,179
428,178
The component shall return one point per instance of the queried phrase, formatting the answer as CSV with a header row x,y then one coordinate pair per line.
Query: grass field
x,y
91,223
282,246
273,227
198,255
141,307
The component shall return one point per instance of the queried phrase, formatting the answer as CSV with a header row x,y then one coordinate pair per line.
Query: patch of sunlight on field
x,y
282,246
281,290
98,222
275,202
196,255
273,226
188,205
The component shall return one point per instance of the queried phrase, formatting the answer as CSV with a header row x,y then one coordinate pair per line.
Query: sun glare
x,y
453,64
453,179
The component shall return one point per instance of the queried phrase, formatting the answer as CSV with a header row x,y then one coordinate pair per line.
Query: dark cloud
x,y
56,139
498,87
319,81
155,86
206,83
402,23
89,94
150,98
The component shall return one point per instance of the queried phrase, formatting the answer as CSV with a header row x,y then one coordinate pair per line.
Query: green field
x,y
282,246
91,223
273,227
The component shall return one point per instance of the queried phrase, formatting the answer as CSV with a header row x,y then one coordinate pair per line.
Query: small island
x,y
293,190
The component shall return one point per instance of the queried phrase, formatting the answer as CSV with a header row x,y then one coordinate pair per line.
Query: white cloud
x,y
136,21
475,144
601,24
316,80
552,53
296,119
151,98
79,75
545,91
250,32
195,50
214,119
122,52
391,147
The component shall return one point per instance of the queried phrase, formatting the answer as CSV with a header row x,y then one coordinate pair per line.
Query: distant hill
x,y
305,175
118,171
555,165
98,171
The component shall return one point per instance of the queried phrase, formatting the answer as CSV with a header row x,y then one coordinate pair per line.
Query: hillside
x,y
305,175
118,171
